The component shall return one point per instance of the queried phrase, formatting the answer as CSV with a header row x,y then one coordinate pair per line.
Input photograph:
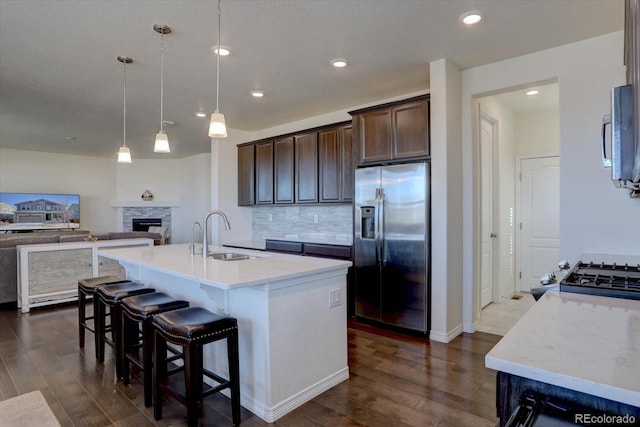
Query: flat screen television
x,y
39,211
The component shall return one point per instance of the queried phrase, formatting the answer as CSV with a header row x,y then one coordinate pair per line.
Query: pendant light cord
x,y
124,114
161,79
218,66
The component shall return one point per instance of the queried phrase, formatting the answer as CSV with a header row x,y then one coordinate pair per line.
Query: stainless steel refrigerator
x,y
391,245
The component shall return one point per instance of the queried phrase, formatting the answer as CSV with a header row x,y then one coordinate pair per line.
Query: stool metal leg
x,y
193,381
116,337
234,375
147,360
99,319
129,335
159,373
81,316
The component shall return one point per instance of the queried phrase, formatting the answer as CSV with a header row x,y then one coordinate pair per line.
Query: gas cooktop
x,y
604,279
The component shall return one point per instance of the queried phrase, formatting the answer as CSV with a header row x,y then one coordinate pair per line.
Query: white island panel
x,y
293,346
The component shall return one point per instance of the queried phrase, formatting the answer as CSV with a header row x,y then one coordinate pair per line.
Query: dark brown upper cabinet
x,y
283,169
390,132
335,167
311,166
264,173
306,167
246,175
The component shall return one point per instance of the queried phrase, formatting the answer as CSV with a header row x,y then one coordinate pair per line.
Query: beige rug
x,y
27,410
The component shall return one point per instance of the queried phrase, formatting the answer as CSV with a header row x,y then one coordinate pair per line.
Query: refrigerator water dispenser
x,y
368,223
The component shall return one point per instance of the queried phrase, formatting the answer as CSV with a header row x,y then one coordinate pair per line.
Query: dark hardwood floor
x,y
395,380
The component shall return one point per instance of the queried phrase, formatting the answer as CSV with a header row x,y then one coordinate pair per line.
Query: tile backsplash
x,y
279,221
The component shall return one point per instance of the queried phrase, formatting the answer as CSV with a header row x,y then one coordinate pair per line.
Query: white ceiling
x,y
519,102
61,85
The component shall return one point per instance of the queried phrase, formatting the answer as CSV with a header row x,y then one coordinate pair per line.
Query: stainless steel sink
x,y
230,256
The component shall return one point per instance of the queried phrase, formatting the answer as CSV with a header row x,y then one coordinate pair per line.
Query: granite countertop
x,y
581,342
260,269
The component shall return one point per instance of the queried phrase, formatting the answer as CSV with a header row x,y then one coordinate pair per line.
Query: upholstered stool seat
x,y
192,328
137,311
87,288
111,296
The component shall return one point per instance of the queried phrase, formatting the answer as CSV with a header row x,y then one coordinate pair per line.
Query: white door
x,y
487,230
539,219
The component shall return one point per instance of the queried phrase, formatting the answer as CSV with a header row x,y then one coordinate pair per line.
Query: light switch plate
x,y
334,298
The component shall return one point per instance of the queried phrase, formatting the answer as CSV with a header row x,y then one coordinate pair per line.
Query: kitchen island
x,y
575,347
291,315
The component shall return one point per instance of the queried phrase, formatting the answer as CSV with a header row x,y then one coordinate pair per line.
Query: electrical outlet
x,y
270,217
315,219
334,298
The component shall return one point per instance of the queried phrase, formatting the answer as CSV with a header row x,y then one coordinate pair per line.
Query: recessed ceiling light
x,y
224,51
471,17
339,63
257,93
532,92
201,114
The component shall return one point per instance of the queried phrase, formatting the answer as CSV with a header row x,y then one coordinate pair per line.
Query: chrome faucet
x,y
227,226
192,246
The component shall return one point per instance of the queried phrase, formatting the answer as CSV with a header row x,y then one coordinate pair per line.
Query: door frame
x,y
518,214
495,180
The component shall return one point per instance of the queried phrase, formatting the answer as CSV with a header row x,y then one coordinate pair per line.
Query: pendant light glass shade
x,y
162,143
124,154
217,126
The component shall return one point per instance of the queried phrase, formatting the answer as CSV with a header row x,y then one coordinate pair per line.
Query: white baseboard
x,y
445,337
272,414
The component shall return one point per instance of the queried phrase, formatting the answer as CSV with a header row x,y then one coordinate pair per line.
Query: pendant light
x,y
217,125
162,141
124,154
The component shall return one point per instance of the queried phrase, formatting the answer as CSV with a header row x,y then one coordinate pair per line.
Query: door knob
x,y
493,235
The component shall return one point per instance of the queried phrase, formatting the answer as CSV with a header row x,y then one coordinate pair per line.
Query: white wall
x,y
446,202
537,133
594,216
102,181
92,178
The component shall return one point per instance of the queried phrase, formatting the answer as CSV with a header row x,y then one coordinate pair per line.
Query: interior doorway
x,y
519,126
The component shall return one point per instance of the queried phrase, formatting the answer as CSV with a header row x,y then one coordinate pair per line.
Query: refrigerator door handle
x,y
377,227
381,225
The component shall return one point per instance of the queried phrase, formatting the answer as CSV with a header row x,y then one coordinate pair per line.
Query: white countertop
x,y
581,342
266,267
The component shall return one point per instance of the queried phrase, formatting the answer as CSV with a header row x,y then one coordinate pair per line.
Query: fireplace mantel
x,y
144,204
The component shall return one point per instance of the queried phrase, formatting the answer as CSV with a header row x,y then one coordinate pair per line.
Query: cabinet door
x,y
375,136
329,165
264,173
411,130
283,170
347,183
246,174
306,167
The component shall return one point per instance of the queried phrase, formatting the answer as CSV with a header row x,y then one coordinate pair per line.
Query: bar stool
x,y
137,312
192,328
87,289
111,296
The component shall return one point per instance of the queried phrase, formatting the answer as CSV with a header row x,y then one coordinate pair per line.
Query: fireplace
x,y
143,224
